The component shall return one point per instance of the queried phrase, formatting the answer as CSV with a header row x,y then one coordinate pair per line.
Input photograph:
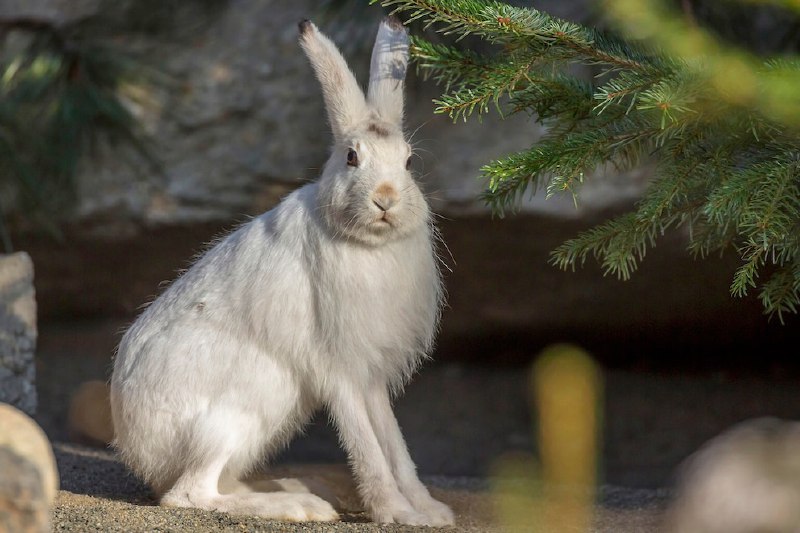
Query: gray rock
x,y
744,481
17,331
28,476
22,507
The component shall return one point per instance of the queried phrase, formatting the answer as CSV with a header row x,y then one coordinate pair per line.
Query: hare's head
x,y
366,191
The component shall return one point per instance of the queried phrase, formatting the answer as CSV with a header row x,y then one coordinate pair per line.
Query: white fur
x,y
387,71
324,301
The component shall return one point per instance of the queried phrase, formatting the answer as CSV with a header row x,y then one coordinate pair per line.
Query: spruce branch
x,y
447,65
781,293
504,24
723,129
619,245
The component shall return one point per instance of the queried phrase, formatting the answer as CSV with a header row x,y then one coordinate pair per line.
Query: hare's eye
x,y
352,158
408,163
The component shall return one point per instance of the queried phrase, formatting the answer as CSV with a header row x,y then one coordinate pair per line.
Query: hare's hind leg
x,y
199,489
199,486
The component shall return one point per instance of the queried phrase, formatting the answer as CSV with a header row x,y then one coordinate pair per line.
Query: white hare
x,y
329,300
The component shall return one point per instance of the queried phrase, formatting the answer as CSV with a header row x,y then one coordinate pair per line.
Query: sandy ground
x,y
458,420
98,494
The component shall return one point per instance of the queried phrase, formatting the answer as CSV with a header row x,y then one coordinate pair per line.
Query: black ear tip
x,y
394,23
304,26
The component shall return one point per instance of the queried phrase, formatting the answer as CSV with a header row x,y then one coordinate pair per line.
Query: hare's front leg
x,y
376,484
403,467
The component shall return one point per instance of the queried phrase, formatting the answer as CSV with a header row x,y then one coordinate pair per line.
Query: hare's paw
x,y
285,506
398,514
306,507
437,513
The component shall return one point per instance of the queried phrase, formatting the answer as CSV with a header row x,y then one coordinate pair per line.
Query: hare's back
x,y
253,277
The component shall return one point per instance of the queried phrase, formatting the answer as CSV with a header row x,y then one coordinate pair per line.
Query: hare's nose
x,y
385,196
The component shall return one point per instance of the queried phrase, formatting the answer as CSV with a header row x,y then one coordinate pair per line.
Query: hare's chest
x,y
387,298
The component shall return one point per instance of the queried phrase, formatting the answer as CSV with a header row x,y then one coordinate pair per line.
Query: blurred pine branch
x,y
58,93
722,123
64,86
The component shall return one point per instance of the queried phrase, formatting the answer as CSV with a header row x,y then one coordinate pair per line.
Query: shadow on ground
x,y
459,418
98,494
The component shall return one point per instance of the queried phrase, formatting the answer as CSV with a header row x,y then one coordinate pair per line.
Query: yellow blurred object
x,y
516,492
737,76
566,391
735,80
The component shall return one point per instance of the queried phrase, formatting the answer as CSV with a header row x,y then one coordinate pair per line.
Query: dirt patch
x,y
99,495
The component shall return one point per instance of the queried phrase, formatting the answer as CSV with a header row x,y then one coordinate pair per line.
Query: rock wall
x,y
240,123
239,120
58,12
17,332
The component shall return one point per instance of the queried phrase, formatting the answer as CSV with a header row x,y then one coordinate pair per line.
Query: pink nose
x,y
385,196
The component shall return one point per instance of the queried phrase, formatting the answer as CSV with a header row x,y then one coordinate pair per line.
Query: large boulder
x,y
17,331
28,475
745,480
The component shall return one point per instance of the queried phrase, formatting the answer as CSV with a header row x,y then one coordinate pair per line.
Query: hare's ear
x,y
344,99
388,70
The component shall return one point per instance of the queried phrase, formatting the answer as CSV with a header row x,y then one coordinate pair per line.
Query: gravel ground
x,y
98,494
458,419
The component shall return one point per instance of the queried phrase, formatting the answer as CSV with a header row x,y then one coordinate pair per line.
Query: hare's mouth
x,y
383,222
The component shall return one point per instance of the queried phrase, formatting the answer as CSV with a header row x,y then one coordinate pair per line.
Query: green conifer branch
x,y
781,293
504,24
619,245
726,150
